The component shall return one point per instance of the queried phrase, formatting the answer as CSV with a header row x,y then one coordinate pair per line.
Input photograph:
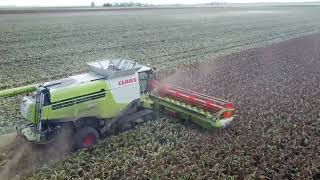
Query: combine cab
x,y
113,97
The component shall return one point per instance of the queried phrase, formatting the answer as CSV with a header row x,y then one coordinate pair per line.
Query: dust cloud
x,y
18,158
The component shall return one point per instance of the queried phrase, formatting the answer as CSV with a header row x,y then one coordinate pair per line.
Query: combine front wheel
x,y
86,137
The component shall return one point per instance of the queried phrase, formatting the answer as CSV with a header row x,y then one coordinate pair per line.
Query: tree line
x,y
125,4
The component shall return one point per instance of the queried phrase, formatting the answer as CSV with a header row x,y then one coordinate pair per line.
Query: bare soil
x,y
18,157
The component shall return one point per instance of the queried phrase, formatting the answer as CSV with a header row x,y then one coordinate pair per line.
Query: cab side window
x,y
46,100
143,81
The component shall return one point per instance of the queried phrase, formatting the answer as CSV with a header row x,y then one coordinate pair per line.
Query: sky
x,y
100,2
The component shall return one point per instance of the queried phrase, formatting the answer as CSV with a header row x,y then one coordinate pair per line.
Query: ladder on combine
x,y
206,111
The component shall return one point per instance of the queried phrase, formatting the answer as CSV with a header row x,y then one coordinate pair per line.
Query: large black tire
x,y
86,137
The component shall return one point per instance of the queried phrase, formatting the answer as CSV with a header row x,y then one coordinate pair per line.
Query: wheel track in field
x,y
286,34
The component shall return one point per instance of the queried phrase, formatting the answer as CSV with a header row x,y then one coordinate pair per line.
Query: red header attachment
x,y
230,107
207,103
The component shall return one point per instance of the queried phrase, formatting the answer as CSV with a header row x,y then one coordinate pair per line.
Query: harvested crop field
x,y
275,89
276,136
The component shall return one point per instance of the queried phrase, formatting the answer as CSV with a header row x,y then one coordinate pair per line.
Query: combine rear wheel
x,y
86,137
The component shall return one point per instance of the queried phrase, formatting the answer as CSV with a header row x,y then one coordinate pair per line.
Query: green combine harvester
x,y
113,97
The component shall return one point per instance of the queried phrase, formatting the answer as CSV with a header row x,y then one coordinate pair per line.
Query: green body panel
x,y
31,114
18,90
101,108
90,99
69,92
87,104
